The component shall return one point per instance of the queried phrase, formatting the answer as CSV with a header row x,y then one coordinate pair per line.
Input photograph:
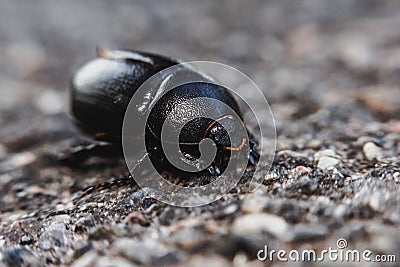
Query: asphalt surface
x,y
330,71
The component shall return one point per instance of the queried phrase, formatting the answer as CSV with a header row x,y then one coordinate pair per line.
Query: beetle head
x,y
220,134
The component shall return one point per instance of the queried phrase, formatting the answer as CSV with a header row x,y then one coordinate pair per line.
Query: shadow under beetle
x,y
101,90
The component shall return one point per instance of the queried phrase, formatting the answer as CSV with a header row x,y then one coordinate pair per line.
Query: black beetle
x,y
100,92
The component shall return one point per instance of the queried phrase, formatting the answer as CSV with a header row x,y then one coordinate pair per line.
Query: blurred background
x,y
329,69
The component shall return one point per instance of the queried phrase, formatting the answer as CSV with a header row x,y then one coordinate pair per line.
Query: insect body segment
x,y
102,89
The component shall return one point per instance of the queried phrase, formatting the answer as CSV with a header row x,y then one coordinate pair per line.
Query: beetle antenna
x,y
107,53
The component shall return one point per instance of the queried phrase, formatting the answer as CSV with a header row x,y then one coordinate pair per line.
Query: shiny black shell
x,y
194,131
101,89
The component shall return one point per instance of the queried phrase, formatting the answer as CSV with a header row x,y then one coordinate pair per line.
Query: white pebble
x,y
326,162
256,223
372,151
324,153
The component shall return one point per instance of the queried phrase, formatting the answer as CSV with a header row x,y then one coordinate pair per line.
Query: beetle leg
x,y
240,147
79,154
108,185
138,169
254,156
214,170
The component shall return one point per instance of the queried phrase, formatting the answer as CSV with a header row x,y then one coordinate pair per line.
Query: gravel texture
x,y
330,70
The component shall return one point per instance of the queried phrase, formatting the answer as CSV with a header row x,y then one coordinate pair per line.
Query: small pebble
x,y
300,170
171,214
137,217
324,153
372,151
17,161
5,178
209,261
55,235
88,259
26,240
261,222
254,203
140,251
49,102
356,52
290,153
107,261
18,256
326,162
188,238
306,232
340,211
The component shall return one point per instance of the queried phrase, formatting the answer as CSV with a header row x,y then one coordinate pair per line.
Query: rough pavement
x,y
330,70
